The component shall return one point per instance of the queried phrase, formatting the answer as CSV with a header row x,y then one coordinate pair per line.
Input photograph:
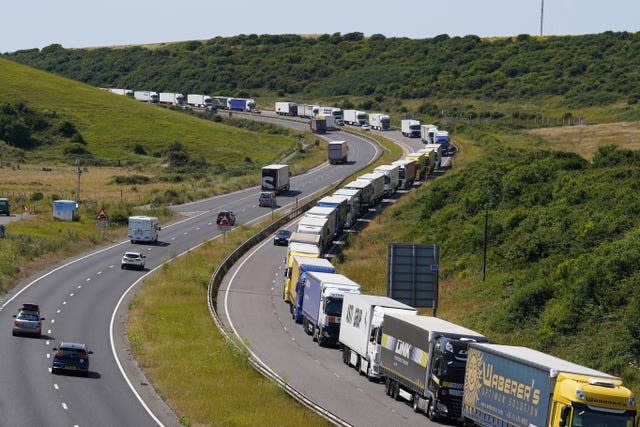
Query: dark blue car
x,y
71,357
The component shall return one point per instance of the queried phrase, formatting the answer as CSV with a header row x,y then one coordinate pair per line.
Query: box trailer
x,y
366,193
329,213
410,128
377,182
318,226
286,108
340,206
356,200
407,173
276,178
296,277
379,121
355,117
338,152
391,178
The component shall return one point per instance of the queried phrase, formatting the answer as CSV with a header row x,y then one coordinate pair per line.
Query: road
x,y
80,300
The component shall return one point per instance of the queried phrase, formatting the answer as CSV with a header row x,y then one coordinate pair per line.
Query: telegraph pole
x,y
78,172
541,15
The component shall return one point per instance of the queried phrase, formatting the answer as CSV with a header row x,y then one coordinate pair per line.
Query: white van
x,y
143,229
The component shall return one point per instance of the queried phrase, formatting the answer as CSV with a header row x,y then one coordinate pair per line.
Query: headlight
x,y
448,347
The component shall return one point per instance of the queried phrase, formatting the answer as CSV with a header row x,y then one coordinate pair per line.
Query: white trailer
x,y
196,100
146,96
410,128
356,200
122,92
338,152
355,117
318,226
275,178
287,108
379,121
428,133
351,208
377,181
143,229
171,98
438,149
308,111
328,213
361,329
391,178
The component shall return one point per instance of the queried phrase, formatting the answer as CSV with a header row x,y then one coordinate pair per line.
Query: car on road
x,y
4,206
71,357
132,259
365,127
226,218
267,198
28,321
282,237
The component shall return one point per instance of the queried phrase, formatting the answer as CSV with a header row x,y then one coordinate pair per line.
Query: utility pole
x,y
484,246
541,15
78,172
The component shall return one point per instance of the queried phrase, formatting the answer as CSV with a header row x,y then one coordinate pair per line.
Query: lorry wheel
x,y
359,365
396,391
387,386
431,411
305,325
345,355
416,400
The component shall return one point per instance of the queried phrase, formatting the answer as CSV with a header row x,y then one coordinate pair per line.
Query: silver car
x,y
132,260
28,321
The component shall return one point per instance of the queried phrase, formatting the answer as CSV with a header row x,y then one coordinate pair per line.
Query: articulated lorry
x,y
377,182
428,133
379,121
317,226
122,92
295,277
297,248
197,100
423,360
241,104
146,96
308,110
171,98
276,178
410,128
520,387
143,229
391,178
322,305
318,125
340,206
366,194
437,148
442,138
286,108
328,213
361,329
355,117
407,173
354,201
422,166
338,152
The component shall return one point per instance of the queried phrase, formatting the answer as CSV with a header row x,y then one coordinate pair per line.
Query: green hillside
x,y
112,128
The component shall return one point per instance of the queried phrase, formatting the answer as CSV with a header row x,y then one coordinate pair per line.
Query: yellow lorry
x,y
421,164
293,250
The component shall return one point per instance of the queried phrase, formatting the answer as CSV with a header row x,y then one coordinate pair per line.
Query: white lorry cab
x,y
143,229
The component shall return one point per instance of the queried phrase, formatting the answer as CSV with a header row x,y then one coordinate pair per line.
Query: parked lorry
x,y
379,121
430,158
197,100
340,206
423,360
442,138
322,304
421,164
220,102
241,104
410,128
286,108
171,98
355,201
318,125
391,177
146,96
143,229
437,148
294,249
366,193
122,92
338,152
355,117
308,110
361,329
276,178
428,133
520,387
312,239
377,182
407,172
296,275
318,226
330,213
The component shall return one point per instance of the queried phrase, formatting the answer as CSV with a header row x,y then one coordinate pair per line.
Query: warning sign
x,y
102,219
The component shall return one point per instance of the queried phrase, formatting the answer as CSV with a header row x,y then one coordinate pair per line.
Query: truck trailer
x,y
308,111
146,96
275,178
355,117
377,182
330,213
423,360
338,152
361,329
391,178
171,98
318,125
201,101
379,121
421,160
295,249
340,206
296,277
322,305
410,128
319,227
517,386
122,92
354,200
286,108
428,133
366,194
241,104
407,172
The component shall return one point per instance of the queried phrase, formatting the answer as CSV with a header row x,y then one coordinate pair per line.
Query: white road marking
x,y
64,302
58,311
99,273
71,294
48,356
64,406
56,387
53,320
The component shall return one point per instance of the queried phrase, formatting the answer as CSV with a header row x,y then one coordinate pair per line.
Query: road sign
x,y
102,219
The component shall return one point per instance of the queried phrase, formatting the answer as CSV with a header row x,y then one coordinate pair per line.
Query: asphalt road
x,y
83,301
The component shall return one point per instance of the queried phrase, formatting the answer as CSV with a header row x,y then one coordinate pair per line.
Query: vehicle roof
x,y
435,324
283,231
132,253
73,345
380,301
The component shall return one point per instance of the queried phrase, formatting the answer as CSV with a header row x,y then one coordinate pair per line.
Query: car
x,y
226,218
282,237
365,127
28,321
267,198
71,357
132,259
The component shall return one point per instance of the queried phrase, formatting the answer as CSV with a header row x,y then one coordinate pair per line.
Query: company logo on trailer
x,y
403,348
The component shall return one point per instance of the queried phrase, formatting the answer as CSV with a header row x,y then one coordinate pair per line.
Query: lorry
x,y
431,158
286,108
296,276
407,172
361,329
220,102
379,121
340,206
146,96
437,148
428,133
334,112
318,125
312,239
421,164
308,110
330,121
330,213
517,386
410,128
202,101
317,226
295,249
442,138
354,200
122,92
143,229
377,182
391,178
322,304
355,117
171,98
366,193
423,360
276,178
241,104
338,152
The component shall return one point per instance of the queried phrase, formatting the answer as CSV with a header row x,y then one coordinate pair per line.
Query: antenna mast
x,y
541,15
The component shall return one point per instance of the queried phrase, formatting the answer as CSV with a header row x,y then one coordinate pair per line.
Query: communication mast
x,y
541,15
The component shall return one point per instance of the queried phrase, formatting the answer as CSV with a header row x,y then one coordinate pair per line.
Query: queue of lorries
x,y
442,369
211,103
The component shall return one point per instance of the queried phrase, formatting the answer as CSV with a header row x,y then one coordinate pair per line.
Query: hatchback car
x,y
28,321
71,357
132,260
282,237
226,218
365,127
267,198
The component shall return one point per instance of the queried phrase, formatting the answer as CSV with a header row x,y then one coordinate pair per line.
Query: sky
x,y
82,23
